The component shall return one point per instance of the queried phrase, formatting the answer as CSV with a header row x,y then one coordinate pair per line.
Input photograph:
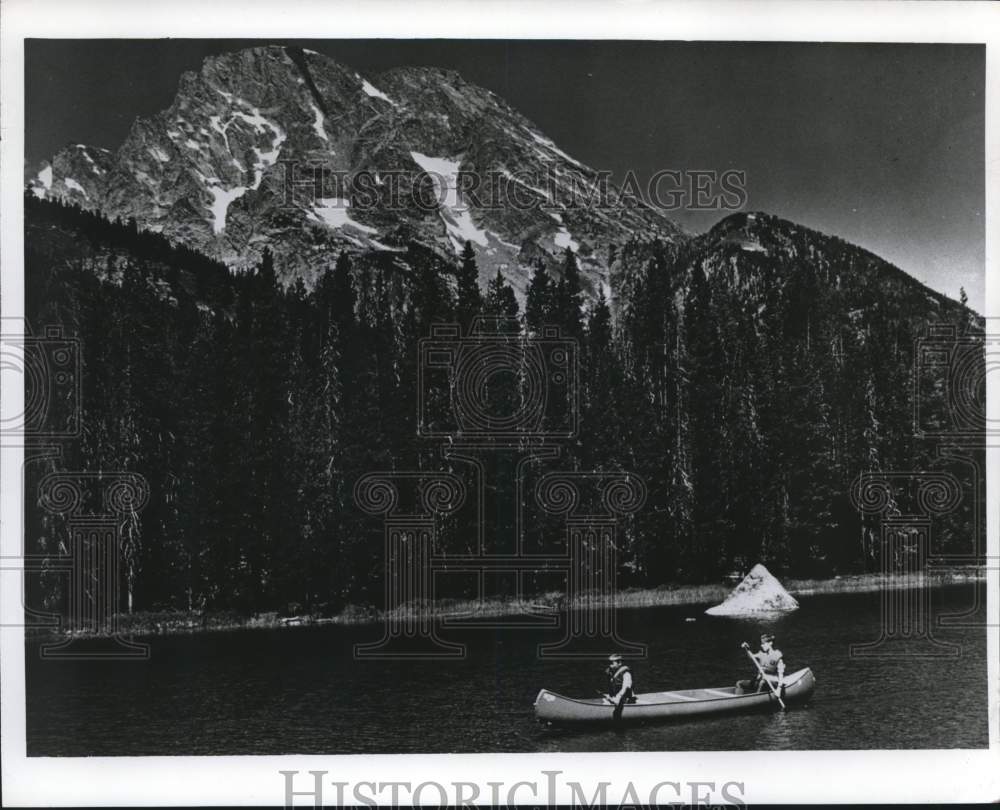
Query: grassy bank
x,y
172,622
859,583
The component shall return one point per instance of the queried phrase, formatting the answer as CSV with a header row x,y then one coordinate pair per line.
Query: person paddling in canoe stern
x,y
770,662
620,689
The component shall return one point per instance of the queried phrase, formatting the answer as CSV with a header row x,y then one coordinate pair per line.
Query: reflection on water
x,y
301,691
779,732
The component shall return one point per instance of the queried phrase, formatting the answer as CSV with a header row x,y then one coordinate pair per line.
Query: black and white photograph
x,y
546,395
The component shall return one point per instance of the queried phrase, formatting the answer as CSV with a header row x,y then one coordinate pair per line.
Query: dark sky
x,y
880,144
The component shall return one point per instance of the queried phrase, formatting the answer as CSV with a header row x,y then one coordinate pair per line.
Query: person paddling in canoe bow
x,y
620,690
771,664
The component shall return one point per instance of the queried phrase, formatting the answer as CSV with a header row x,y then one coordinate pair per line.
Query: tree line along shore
x,y
152,623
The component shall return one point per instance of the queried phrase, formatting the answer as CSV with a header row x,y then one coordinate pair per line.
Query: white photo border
x,y
766,777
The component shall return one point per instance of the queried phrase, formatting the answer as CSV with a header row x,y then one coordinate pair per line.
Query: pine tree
x,y
539,303
500,299
601,385
470,299
569,297
710,438
343,299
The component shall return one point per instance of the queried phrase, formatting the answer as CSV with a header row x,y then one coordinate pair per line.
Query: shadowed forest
x,y
747,388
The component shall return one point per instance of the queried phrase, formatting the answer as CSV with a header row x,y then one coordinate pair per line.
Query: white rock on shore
x,y
759,592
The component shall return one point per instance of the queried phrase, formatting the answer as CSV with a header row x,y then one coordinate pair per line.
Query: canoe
x,y
655,706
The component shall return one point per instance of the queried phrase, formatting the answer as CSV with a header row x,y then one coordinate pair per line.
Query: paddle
x,y
756,663
619,707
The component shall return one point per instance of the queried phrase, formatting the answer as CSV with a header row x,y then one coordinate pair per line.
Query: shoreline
x,y
146,624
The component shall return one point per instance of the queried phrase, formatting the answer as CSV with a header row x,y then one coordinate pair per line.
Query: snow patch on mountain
x,y
86,156
461,229
221,200
372,91
550,145
334,212
267,159
496,237
444,174
264,161
456,217
515,179
71,183
45,178
215,121
318,122
260,124
382,246
564,239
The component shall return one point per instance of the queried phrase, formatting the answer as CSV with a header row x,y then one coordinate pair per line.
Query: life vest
x,y
769,661
616,678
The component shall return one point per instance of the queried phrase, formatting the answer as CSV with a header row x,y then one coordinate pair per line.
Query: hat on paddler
x,y
614,658
766,637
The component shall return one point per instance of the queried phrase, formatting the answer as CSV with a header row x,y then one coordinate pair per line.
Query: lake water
x,y
300,690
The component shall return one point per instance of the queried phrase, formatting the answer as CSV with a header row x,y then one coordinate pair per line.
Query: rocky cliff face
x,y
214,171
76,174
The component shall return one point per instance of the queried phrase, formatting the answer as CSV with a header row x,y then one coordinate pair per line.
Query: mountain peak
x,y
209,171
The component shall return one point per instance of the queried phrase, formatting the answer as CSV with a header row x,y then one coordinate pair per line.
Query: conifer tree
x,y
470,298
600,391
500,299
539,303
569,297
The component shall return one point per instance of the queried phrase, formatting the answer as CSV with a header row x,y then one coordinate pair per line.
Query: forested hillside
x,y
748,375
